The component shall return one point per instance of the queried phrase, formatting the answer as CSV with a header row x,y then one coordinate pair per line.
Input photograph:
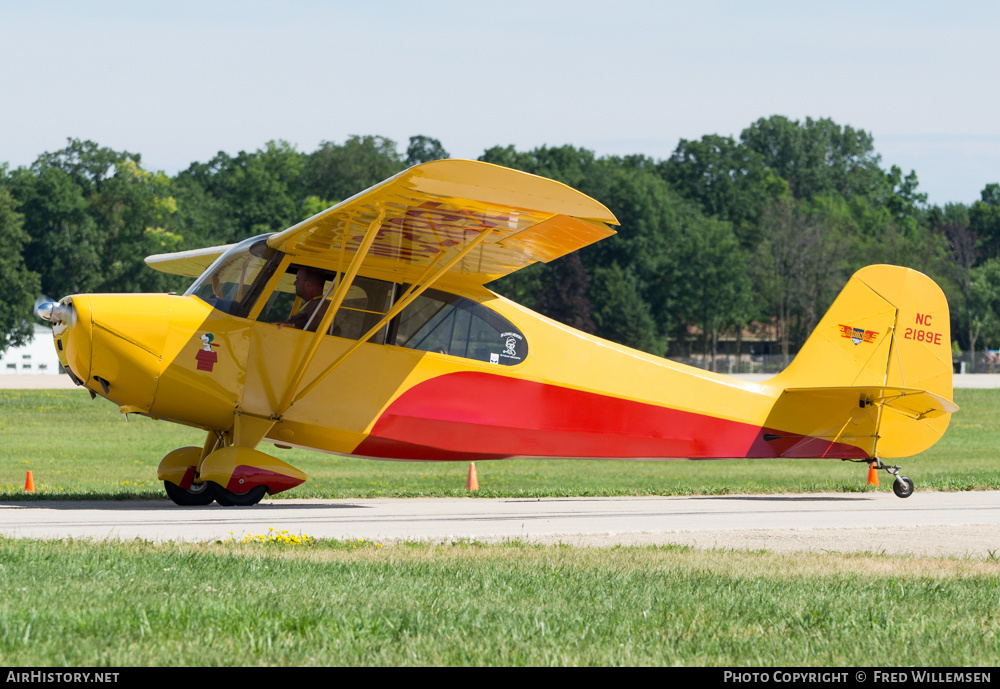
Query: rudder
x,y
889,326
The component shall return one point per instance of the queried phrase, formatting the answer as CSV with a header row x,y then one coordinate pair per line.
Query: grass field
x,y
82,448
330,603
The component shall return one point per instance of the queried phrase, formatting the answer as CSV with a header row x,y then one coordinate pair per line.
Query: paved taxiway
x,y
931,523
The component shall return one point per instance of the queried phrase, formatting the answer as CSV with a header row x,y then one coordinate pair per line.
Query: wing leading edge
x,y
188,263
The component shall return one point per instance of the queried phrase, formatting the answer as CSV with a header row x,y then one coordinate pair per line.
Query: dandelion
x,y
274,536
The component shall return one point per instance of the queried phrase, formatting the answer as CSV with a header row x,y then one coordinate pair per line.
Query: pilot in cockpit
x,y
309,284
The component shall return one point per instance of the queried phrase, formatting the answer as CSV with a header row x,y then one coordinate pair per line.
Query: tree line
x,y
726,236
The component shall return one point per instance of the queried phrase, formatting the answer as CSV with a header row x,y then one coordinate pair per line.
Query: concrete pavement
x,y
928,523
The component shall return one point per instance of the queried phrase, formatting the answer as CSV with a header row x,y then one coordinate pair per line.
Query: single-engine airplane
x,y
404,354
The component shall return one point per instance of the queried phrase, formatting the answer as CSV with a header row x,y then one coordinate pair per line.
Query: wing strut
x,y
415,290
331,311
333,284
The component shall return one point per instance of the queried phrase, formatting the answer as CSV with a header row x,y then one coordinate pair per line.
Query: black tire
x,y
199,494
227,499
902,487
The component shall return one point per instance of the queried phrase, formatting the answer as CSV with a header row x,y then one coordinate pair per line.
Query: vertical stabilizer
x,y
888,327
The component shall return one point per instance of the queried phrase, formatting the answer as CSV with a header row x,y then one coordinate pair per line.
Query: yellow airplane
x,y
367,330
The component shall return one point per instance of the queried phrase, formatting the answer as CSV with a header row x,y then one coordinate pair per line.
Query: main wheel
x,y
227,499
902,487
198,494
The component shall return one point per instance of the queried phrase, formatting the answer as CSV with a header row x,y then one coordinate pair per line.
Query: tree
x,y
18,285
984,220
710,280
903,202
65,246
508,156
817,157
231,198
727,179
91,223
984,306
89,164
963,256
423,149
523,286
203,218
335,171
623,315
563,293
648,211
798,269
574,167
132,210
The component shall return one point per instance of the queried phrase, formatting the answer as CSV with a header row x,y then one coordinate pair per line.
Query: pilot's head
x,y
309,282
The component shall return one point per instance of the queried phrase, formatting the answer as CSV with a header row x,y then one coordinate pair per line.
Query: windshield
x,y
235,280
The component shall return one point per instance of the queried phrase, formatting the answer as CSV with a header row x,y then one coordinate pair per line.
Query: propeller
x,y
55,312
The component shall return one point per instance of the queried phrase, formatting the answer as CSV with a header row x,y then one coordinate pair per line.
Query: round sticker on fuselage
x,y
513,348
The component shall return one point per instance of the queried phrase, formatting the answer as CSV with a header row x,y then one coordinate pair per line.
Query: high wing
x,y
188,263
432,210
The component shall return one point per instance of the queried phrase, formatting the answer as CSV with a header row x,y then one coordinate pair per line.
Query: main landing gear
x,y
231,476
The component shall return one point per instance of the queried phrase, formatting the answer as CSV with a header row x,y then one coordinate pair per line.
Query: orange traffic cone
x,y
473,482
29,484
872,475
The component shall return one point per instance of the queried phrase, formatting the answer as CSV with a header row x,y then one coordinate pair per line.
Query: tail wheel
x,y
227,499
902,487
197,494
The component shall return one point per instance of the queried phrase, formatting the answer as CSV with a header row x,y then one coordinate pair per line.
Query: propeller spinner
x,y
55,312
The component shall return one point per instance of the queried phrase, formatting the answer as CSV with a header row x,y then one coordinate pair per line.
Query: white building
x,y
38,356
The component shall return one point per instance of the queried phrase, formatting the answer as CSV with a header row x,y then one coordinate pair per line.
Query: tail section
x,y
887,338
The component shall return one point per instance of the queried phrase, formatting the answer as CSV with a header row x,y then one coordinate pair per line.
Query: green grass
x,y
82,448
329,603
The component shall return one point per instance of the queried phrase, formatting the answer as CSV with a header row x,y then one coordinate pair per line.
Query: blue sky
x,y
179,81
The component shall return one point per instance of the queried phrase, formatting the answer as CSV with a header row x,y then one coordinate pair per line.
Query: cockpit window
x,y
449,324
235,280
367,301
435,321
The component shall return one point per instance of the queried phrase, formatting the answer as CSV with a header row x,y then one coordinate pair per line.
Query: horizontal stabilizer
x,y
912,402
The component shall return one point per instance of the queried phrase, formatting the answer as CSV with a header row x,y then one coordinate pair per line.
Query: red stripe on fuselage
x,y
471,415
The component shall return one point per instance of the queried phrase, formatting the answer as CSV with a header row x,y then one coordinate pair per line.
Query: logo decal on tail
x,y
857,335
